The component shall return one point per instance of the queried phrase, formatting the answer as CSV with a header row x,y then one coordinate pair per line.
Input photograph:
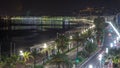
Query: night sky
x,y
52,7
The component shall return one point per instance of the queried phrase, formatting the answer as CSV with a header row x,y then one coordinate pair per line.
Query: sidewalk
x,y
71,55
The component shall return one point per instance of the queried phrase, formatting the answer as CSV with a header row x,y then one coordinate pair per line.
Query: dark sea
x,y
11,41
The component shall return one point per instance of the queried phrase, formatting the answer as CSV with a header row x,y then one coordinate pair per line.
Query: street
x,y
95,61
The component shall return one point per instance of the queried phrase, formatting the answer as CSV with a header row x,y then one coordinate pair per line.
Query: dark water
x,y
23,39
14,40
29,38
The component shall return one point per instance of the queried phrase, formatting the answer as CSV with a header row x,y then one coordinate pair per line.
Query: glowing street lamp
x,y
21,53
71,37
45,45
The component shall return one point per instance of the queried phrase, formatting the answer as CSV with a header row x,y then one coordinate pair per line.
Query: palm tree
x,y
48,49
100,26
116,60
26,56
90,47
62,43
115,53
60,59
80,40
35,54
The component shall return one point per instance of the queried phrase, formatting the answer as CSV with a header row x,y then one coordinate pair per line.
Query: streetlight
x,y
21,53
45,45
71,37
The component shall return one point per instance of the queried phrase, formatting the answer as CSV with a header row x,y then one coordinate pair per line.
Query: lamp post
x,y
71,37
21,54
45,46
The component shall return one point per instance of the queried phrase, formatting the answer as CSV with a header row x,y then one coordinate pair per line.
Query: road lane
x,y
94,60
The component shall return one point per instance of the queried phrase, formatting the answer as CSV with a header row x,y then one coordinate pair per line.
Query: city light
x,y
114,28
106,50
71,37
100,57
111,45
92,40
45,45
21,53
90,66
115,41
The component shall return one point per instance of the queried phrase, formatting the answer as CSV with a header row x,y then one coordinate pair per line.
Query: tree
x,y
115,53
90,47
116,60
62,43
48,49
100,26
60,59
26,56
83,53
80,38
34,54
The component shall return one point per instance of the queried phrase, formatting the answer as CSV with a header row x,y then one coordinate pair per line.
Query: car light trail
x,y
114,28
